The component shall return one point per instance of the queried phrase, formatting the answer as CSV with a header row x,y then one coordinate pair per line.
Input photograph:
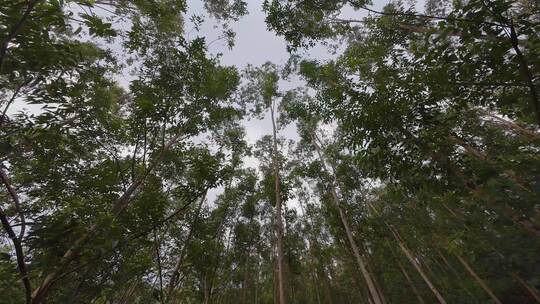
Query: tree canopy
x,y
404,167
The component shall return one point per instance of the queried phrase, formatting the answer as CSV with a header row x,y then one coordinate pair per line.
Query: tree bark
x,y
509,125
362,265
13,32
525,72
158,259
478,279
19,252
39,294
279,220
454,272
176,271
412,259
530,289
411,283
414,262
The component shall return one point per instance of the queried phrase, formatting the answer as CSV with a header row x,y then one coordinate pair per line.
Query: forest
x,y
399,160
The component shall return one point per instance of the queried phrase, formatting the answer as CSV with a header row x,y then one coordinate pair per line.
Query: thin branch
x,y
119,206
16,200
15,30
423,16
158,257
176,271
19,252
525,72
3,117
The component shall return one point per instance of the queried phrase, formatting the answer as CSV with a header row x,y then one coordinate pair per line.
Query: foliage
x,y
415,155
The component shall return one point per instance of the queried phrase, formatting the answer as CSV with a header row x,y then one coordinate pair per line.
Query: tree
x,y
403,168
87,122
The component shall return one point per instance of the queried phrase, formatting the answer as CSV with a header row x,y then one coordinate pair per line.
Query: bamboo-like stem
x,y
478,279
279,219
362,265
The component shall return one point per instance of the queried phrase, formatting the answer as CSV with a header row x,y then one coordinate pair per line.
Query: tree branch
x,y
19,252
423,16
15,30
119,206
16,200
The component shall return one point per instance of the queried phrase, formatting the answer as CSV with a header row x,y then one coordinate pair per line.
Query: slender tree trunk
x,y
176,271
327,289
534,293
257,272
411,283
478,279
455,273
16,240
352,243
245,280
207,291
119,206
525,72
412,259
530,289
369,262
19,252
316,284
312,256
158,259
279,220
416,265
126,295
470,150
476,191
510,125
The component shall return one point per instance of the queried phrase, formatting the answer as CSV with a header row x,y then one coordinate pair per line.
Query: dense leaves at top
x,y
413,175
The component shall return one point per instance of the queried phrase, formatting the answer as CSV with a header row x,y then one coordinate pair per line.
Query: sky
x,y
255,44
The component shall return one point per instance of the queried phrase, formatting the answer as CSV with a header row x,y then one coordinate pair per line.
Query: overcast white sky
x,y
255,45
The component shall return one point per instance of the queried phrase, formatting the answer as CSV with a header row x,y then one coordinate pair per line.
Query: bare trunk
x,y
478,279
530,289
257,272
411,283
207,290
509,125
19,252
158,259
327,289
126,295
511,175
315,273
369,263
176,271
454,272
412,259
279,220
21,264
362,265
16,240
416,265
